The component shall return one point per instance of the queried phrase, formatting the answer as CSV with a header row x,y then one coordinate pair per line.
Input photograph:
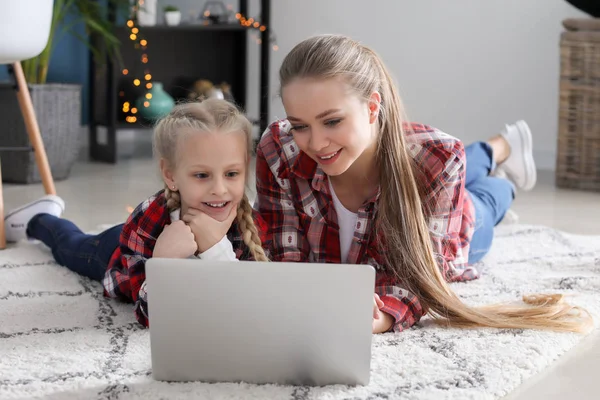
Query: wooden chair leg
x,y
2,231
33,129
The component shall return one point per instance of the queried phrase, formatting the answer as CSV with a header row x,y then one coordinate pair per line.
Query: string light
x,y
139,42
252,23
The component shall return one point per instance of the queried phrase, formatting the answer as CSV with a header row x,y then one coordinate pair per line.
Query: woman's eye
x,y
298,128
232,174
201,175
333,122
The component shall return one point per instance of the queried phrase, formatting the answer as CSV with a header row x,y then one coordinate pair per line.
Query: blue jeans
x,y
88,255
491,197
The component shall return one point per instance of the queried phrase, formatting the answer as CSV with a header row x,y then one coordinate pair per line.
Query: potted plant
x,y
172,15
57,105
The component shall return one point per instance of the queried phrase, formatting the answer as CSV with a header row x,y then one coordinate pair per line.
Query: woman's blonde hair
x,y
401,217
210,115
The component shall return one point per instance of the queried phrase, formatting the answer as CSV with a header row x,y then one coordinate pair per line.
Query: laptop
x,y
260,322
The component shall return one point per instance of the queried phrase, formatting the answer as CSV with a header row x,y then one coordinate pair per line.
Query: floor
x,y
101,194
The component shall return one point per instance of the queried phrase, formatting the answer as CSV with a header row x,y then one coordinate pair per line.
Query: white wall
x,y
464,66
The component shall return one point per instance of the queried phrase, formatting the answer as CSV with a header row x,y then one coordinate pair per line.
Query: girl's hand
x,y
175,241
382,322
207,230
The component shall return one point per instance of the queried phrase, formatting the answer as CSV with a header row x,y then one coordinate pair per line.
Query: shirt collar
x,y
307,168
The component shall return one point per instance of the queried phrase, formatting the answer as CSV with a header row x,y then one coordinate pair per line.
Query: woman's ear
x,y
374,105
167,174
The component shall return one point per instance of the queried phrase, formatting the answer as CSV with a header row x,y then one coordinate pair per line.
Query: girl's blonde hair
x,y
210,115
401,217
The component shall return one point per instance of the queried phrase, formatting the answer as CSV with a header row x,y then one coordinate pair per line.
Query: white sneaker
x,y
510,218
15,222
519,166
499,173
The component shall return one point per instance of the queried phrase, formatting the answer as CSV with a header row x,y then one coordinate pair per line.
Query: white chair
x,y
24,32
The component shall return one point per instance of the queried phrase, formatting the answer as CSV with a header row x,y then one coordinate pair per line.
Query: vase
x,y
147,14
159,105
173,18
215,11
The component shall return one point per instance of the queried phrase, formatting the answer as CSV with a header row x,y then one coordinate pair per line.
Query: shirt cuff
x,y
404,318
222,251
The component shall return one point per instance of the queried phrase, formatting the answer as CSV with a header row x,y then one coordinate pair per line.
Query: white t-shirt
x,y
347,222
222,251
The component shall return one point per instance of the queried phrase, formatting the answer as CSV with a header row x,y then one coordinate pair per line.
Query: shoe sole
x,y
13,212
527,143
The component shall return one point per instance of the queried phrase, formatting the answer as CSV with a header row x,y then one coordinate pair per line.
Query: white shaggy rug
x,y
60,339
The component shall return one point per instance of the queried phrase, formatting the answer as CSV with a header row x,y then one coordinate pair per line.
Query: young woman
x,y
344,179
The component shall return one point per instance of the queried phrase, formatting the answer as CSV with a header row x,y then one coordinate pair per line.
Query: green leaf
x,y
94,17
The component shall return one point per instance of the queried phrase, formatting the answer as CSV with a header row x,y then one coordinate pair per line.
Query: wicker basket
x,y
578,153
58,112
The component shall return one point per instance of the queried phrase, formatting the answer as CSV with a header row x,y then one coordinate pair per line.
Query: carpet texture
x,y
60,339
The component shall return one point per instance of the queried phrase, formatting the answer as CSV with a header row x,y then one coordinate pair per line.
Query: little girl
x,y
203,151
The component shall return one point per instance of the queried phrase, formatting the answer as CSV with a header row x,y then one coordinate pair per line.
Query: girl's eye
x,y
232,174
298,128
333,122
201,175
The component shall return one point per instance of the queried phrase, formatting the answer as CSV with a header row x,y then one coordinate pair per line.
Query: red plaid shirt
x,y
126,274
295,201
